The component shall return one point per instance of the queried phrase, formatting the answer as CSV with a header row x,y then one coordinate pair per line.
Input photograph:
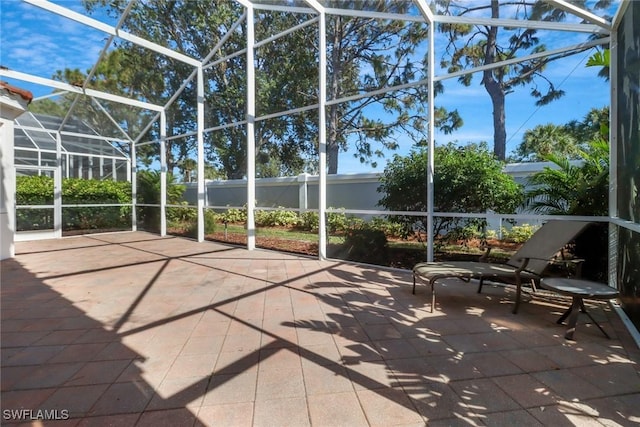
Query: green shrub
x,y
309,221
337,222
466,233
276,218
389,228
148,192
38,190
34,190
519,233
491,234
184,213
366,244
235,216
83,191
210,219
466,179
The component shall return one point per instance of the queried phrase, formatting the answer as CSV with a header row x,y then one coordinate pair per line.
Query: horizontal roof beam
x,y
75,89
281,8
522,23
581,46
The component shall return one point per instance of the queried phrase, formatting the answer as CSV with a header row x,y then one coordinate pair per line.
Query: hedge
x,y
38,190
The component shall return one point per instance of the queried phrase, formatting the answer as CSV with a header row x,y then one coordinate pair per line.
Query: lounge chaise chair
x,y
527,264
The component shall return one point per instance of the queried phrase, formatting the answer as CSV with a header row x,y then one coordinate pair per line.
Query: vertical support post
x,y
163,174
57,189
303,192
114,169
133,178
322,136
613,161
431,147
251,142
7,187
200,140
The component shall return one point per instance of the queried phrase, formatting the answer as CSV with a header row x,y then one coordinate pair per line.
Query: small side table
x,y
578,289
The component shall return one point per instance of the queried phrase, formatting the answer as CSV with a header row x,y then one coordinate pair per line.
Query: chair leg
x,y
433,295
480,285
595,322
414,284
518,294
573,317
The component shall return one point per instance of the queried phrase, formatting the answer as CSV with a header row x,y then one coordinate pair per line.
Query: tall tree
x,y
471,46
287,77
543,140
366,54
565,141
194,28
114,75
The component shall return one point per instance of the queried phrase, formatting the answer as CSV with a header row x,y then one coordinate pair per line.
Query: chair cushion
x,y
467,269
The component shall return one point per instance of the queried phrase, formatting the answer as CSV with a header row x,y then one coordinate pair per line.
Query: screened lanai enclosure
x,y
231,92
84,153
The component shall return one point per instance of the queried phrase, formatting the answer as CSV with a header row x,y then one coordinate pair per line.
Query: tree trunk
x,y
332,115
499,131
332,140
494,89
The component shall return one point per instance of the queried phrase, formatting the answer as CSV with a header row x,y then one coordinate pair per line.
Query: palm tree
x,y
572,188
544,140
577,189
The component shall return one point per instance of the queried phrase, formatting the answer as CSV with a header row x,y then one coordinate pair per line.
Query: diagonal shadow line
x,y
127,314
48,251
92,237
188,392
220,303
134,263
185,395
166,259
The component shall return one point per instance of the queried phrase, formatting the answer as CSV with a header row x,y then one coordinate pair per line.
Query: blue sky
x,y
37,42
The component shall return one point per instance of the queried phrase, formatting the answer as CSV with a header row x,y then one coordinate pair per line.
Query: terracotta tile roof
x,y
25,94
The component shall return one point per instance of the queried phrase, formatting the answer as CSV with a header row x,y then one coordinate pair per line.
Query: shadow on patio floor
x,y
134,329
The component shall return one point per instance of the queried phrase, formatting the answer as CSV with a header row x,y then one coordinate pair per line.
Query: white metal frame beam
x,y
322,128
251,137
102,54
200,141
93,23
75,89
581,13
518,23
429,17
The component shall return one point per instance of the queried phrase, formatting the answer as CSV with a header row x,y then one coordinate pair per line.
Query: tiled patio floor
x,y
134,329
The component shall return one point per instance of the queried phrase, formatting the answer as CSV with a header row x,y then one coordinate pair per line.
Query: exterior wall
x,y
347,191
628,161
7,191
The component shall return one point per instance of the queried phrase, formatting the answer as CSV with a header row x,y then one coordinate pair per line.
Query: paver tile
x,y
135,329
